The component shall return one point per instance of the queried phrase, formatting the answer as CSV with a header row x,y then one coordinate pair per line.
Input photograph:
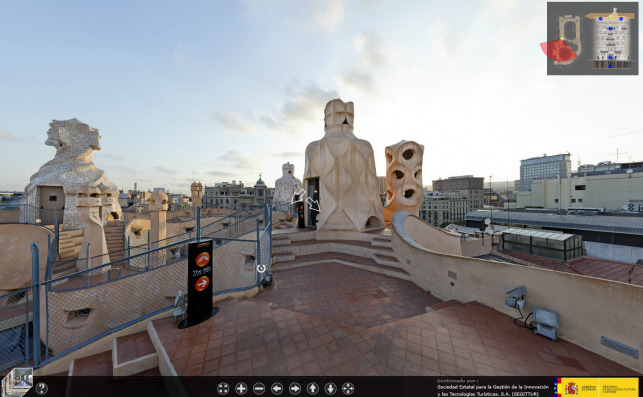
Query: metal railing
x,y
15,322
28,214
84,306
20,322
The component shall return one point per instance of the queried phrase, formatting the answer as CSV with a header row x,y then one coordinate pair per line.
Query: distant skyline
x,y
222,91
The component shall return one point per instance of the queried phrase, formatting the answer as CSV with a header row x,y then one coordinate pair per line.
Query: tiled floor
x,y
253,337
96,365
343,293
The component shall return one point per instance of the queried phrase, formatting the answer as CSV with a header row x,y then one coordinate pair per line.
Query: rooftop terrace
x,y
335,320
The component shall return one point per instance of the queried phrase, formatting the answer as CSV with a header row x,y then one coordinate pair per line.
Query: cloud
x,y
126,169
183,57
221,174
113,156
237,160
372,57
638,131
372,49
327,14
302,105
288,154
165,169
233,122
6,136
357,80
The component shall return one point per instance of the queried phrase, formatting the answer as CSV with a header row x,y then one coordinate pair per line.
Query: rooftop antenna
x,y
490,206
508,202
618,153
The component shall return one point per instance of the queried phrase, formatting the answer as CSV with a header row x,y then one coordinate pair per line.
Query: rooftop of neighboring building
x,y
618,222
585,266
609,270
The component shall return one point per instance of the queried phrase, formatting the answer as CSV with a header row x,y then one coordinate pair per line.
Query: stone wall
x,y
588,307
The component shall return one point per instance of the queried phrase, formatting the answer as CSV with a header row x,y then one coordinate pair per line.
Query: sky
x,y
220,91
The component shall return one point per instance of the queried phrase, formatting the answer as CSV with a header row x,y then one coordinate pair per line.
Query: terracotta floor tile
x,y
335,328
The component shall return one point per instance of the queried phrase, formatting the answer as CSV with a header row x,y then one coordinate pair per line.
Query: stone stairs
x,y
131,355
372,253
68,251
70,242
114,239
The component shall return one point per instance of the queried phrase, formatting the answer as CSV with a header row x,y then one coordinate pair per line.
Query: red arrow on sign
x,y
201,283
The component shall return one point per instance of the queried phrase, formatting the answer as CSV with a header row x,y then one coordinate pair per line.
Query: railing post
x,y
87,266
27,326
265,214
35,280
148,250
128,251
57,239
48,257
258,253
270,237
125,223
198,223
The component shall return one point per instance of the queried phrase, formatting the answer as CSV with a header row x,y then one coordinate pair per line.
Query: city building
x,y
440,208
236,195
471,187
10,198
612,188
545,167
491,197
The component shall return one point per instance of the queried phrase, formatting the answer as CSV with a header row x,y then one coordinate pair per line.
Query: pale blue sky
x,y
215,91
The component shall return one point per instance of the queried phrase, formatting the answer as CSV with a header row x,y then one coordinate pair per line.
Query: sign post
x,y
199,284
301,223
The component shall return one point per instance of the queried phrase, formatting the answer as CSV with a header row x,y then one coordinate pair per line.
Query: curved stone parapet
x,y
416,232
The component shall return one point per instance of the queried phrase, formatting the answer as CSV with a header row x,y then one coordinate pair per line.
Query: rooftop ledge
x,y
590,309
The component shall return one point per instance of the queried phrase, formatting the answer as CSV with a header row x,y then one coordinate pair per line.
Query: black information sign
x,y
199,284
300,213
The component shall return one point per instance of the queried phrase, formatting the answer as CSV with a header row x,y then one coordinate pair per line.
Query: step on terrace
x,y
373,253
131,355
